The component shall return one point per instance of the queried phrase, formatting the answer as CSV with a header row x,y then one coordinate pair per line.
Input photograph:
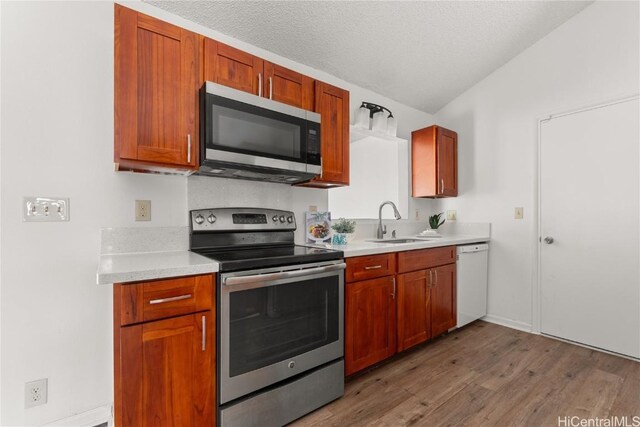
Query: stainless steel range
x,y
280,316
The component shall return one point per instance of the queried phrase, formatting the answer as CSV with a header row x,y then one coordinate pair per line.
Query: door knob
x,y
548,240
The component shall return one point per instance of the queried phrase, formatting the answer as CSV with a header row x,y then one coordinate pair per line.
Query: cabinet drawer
x,y
159,299
371,266
425,258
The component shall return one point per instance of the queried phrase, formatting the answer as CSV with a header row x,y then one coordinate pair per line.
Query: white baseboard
x,y
503,321
92,418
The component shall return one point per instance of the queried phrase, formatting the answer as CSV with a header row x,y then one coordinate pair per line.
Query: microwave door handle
x,y
270,277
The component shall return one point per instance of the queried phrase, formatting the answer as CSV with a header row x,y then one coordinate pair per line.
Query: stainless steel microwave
x,y
246,136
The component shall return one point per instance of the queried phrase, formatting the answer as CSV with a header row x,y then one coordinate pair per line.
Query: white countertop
x,y
121,268
364,247
132,267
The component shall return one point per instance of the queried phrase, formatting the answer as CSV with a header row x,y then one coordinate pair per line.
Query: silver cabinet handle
x,y
548,240
259,84
441,185
430,278
270,277
393,294
188,148
170,299
436,273
372,267
270,88
204,333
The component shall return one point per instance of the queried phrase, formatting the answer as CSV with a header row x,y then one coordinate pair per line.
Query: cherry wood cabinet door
x,y
157,74
370,323
232,67
434,162
166,372
414,316
287,86
443,299
333,105
447,153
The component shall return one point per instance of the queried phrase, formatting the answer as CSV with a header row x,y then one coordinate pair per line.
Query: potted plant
x,y
434,221
343,231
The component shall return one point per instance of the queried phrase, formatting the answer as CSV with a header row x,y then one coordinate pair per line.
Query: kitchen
x,y
58,324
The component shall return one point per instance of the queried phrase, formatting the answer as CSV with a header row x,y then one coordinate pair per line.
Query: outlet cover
x,y
518,213
452,215
143,210
35,393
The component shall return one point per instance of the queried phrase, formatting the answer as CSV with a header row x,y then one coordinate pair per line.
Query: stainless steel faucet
x,y
382,230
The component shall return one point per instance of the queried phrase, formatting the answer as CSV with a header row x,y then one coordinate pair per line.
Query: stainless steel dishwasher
x,y
471,272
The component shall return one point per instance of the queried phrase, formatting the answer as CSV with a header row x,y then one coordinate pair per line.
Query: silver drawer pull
x,y
372,267
170,299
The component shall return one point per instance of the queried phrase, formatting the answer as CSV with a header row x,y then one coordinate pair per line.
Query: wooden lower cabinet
x,y
164,369
370,322
426,304
443,299
414,317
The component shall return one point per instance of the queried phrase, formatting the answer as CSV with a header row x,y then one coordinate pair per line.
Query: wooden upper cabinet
x,y
157,77
333,105
443,299
434,160
370,322
232,67
287,86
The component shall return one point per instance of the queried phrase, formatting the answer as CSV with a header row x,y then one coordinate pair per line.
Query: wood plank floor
x,y
487,375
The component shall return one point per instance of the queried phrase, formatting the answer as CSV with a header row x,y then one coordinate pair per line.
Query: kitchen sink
x,y
396,240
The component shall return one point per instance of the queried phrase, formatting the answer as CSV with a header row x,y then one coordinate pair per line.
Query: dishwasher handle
x,y
467,249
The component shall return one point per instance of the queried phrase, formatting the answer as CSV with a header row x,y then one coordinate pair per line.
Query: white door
x,y
589,206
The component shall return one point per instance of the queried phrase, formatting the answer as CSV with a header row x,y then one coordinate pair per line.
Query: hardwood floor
x,y
487,375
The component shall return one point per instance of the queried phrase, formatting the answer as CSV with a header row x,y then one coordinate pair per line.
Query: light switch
x,y
518,213
452,215
45,209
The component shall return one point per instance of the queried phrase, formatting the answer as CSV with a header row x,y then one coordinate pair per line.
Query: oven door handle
x,y
270,277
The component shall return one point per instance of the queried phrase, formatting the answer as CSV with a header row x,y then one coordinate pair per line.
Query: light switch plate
x,y
45,209
452,215
518,213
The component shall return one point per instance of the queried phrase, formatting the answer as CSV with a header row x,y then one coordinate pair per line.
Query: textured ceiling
x,y
420,53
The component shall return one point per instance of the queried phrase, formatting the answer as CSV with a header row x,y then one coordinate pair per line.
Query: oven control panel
x,y
241,219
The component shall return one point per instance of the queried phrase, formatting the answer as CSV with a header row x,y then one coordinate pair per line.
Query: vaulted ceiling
x,y
420,53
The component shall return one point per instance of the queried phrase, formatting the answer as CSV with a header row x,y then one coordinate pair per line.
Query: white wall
x,y
591,58
57,140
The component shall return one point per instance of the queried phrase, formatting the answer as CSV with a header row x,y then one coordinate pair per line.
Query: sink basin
x,y
396,240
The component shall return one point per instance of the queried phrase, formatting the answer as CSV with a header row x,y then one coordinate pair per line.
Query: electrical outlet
x,y
452,215
313,208
417,215
518,213
35,393
143,210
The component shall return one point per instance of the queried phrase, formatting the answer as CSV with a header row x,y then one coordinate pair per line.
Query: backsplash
x,y
206,192
366,228
143,239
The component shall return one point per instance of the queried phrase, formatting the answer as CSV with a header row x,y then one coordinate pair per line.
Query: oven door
x,y
279,322
246,129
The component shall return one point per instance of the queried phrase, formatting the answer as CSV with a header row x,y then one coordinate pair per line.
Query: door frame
x,y
536,289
